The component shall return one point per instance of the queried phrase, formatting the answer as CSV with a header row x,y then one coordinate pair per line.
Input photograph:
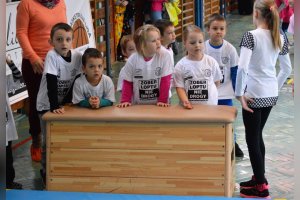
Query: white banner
x,y
79,17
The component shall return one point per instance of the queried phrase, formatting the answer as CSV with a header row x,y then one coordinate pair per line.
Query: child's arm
x,y
68,97
164,88
52,93
183,98
15,71
109,94
127,92
284,64
217,83
105,102
233,73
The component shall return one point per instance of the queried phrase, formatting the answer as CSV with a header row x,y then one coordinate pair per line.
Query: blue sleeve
x,y
84,103
233,73
105,102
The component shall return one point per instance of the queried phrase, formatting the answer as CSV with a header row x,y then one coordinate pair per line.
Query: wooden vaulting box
x,y
142,150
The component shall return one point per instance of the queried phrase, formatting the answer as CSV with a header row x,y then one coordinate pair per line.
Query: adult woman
x,y
35,19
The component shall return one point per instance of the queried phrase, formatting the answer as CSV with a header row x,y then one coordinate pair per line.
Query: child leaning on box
x,y
62,65
93,89
147,73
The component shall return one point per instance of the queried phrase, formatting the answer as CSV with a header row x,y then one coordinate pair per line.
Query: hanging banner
x,y
79,17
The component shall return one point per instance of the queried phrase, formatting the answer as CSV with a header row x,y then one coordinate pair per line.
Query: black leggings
x,y
254,124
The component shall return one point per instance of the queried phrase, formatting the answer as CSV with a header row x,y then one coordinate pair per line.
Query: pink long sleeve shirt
x,y
157,5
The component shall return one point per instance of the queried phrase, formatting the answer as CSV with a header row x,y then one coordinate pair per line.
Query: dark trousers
x,y
32,82
10,171
254,124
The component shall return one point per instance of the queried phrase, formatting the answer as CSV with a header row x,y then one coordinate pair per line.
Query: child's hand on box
x,y
94,101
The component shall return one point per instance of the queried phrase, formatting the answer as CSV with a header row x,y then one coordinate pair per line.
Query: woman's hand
x,y
244,102
124,105
160,104
38,66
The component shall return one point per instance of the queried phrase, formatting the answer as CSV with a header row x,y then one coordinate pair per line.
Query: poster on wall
x,y
79,17
16,88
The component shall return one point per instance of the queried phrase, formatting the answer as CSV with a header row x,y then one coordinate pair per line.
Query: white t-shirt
x,y
256,77
84,90
65,72
146,75
198,79
120,80
227,57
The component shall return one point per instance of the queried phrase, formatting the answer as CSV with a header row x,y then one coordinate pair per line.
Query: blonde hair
x,y
269,13
124,41
189,29
140,36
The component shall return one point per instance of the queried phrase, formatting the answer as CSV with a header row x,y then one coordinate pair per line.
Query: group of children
x,y
205,75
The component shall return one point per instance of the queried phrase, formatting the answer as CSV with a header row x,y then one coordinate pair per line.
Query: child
x,y
227,58
257,87
128,48
93,89
147,73
168,36
197,75
167,32
11,132
62,64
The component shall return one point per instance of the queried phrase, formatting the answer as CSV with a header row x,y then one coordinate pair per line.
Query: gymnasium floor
x,y
278,135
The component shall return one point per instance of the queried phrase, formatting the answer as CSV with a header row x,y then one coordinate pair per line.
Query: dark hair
x,y
60,26
90,53
214,17
162,24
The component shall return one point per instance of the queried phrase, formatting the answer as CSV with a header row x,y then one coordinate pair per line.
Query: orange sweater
x,y
34,23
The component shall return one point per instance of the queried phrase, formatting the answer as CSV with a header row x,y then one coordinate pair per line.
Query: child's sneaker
x,y
259,191
36,153
251,183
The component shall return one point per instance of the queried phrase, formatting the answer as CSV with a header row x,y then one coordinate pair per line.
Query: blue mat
x,y
51,195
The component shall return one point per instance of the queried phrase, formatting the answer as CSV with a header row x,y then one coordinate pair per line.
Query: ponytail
x,y
274,27
269,13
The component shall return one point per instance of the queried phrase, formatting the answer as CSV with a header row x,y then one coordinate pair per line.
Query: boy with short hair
x,y
226,56
62,65
167,38
167,31
93,89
